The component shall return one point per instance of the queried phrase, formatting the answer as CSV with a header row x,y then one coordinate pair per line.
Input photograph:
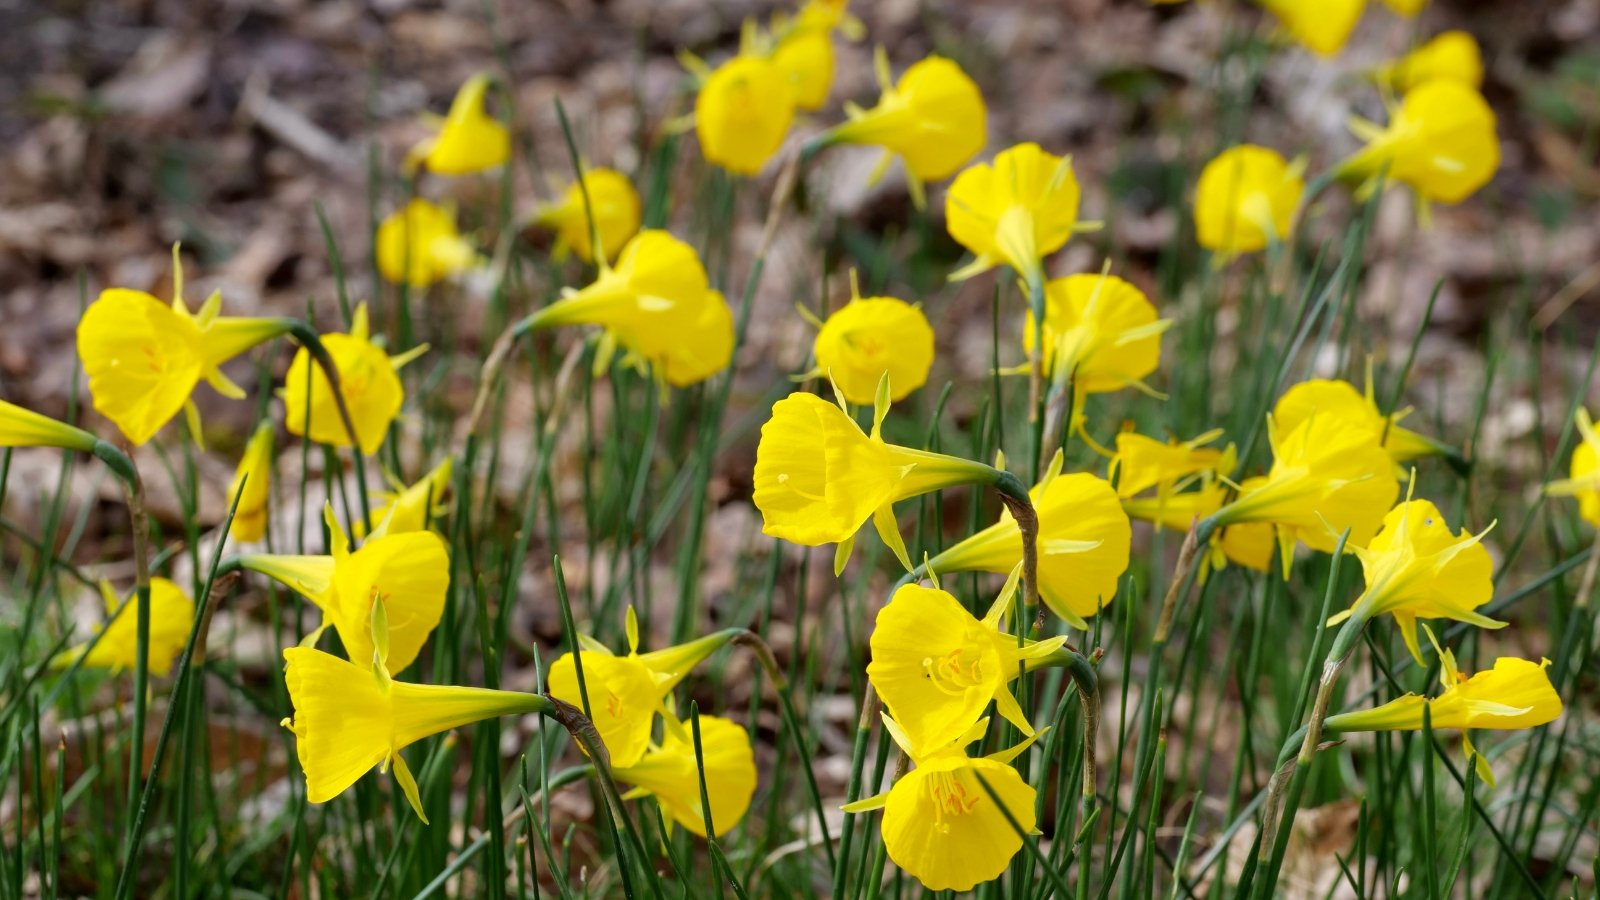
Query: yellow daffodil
x,y
171,619
743,112
1440,141
367,379
934,119
1143,462
410,572
1453,56
1417,569
1249,544
1015,212
941,825
1100,332
468,139
349,719
252,484
21,427
868,338
1584,472
670,772
612,201
1326,476
1358,411
625,692
1514,695
819,477
420,245
1083,544
144,357
1321,26
1246,199
937,666
413,508
804,47
657,304
1407,8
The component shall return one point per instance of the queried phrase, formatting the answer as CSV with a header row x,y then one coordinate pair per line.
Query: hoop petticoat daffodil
x,y
743,110
1583,481
1015,212
468,139
819,477
613,203
1101,334
941,824
803,47
1321,26
368,380
1440,140
870,338
1143,462
252,484
1246,199
1249,544
670,772
414,507
1358,409
1452,55
117,649
419,245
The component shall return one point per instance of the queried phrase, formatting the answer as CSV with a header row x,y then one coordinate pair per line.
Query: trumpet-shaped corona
x,y
612,201
419,245
1357,410
368,379
1015,212
743,113
1321,26
252,485
670,772
468,139
871,337
1440,141
1453,56
1246,199
171,619
1100,331
1143,462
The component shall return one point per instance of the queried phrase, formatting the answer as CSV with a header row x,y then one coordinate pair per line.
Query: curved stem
x,y
1015,496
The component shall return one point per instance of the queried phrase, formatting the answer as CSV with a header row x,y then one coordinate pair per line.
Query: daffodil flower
x,y
1453,55
657,304
1015,212
144,357
670,772
940,824
412,508
20,427
1248,544
1417,569
933,118
411,572
468,139
626,692
743,111
252,485
1584,471
868,338
1514,695
1084,540
367,378
117,649
1440,141
1100,333
1143,462
937,666
819,477
1246,200
419,245
1321,26
351,718
613,203
1358,411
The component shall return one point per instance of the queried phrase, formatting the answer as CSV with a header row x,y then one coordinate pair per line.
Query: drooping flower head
x,y
419,245
1321,26
20,427
819,477
1440,141
468,139
1584,472
1514,695
410,572
368,380
1099,331
612,201
1084,539
743,112
670,772
871,337
934,119
252,484
171,619
1015,212
144,357
414,507
940,823
1246,199
937,666
1358,411
1453,56
626,692
657,305
1326,476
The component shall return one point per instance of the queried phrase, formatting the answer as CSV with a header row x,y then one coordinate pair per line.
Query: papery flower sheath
x,y
871,337
1583,481
612,201
1099,331
1321,26
468,139
937,666
252,484
368,378
1440,141
743,112
626,692
1084,540
144,357
1453,56
1014,212
657,305
670,772
941,825
1358,411
171,619
20,427
411,572
1246,199
419,245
